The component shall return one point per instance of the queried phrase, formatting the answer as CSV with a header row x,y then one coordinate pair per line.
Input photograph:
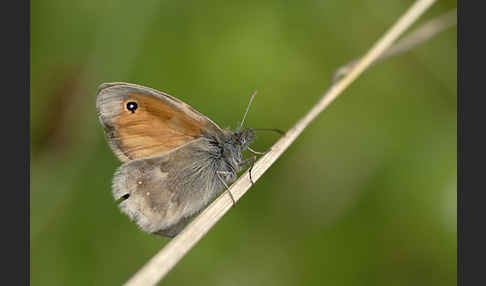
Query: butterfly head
x,y
243,138
234,145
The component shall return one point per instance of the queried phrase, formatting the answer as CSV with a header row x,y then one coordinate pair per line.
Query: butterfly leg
x,y
224,183
256,152
246,162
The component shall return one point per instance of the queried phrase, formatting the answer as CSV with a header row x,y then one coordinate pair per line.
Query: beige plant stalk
x,y
157,267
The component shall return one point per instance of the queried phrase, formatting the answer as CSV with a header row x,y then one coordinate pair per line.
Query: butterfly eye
x,y
132,106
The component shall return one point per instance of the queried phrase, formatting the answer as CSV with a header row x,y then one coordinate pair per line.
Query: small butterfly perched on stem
x,y
175,160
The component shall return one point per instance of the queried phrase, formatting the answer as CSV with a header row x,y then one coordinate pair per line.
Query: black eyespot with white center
x,y
132,106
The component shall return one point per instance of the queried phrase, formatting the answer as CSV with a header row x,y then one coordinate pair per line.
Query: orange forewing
x,y
155,127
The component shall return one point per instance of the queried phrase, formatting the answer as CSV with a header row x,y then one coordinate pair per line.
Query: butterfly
x,y
175,159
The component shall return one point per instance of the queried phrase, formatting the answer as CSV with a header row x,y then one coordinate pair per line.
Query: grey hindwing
x,y
162,193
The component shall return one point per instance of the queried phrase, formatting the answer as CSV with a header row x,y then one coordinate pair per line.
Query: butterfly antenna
x,y
247,108
270,129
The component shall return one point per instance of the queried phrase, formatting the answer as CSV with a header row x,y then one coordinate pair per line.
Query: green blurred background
x,y
366,196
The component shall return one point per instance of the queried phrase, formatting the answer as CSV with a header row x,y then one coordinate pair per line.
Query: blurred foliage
x,y
366,196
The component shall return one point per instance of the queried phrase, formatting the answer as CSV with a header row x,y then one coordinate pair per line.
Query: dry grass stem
x,y
416,37
157,267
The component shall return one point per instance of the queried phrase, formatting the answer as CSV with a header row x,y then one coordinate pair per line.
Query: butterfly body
x,y
176,160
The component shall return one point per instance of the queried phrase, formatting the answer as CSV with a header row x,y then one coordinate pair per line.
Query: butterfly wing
x,y
141,122
162,193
